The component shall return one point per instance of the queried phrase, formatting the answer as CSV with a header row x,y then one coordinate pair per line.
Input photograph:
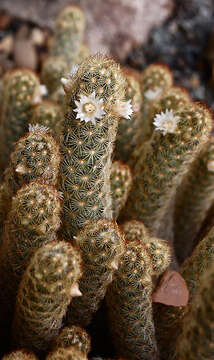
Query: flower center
x,y
89,108
169,124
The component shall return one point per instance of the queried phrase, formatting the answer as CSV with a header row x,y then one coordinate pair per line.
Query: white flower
x,y
166,122
37,127
43,90
73,70
152,94
89,108
210,165
123,108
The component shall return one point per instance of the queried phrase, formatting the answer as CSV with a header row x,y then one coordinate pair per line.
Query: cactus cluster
x,y
105,178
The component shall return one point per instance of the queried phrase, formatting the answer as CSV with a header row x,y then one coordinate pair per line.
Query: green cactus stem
x,y
158,249
101,246
174,98
129,305
166,158
70,353
93,95
129,130
21,91
168,319
74,336
196,338
32,221
20,355
68,34
48,114
36,156
47,287
194,198
155,79
53,69
121,182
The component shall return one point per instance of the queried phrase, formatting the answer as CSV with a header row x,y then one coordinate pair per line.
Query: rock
x,y
25,54
5,20
171,290
6,44
112,26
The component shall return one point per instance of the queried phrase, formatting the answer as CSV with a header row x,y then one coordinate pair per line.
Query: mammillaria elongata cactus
x,y
35,157
94,96
32,221
101,244
20,355
196,338
68,34
46,289
129,296
168,318
194,198
155,79
47,114
166,158
66,49
160,143
74,336
21,91
130,307
71,353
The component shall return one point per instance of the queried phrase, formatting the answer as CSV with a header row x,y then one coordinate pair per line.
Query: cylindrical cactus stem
x,y
166,158
68,34
121,182
155,79
101,244
158,249
169,319
70,353
47,287
32,221
196,338
21,91
193,200
36,156
74,336
20,355
129,305
174,98
94,96
129,129
48,114
84,52
53,69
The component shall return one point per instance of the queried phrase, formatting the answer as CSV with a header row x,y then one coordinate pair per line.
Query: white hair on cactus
x,y
210,165
123,108
166,122
89,108
152,94
37,127
43,90
37,99
73,70
64,81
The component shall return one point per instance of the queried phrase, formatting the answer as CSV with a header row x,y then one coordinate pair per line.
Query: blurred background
x,y
179,33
